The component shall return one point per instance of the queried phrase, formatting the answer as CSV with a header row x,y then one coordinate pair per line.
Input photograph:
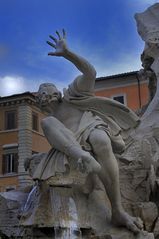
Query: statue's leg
x,y
62,139
109,175
57,134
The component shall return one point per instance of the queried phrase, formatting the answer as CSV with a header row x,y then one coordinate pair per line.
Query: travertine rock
x,y
148,212
156,228
10,204
125,235
147,24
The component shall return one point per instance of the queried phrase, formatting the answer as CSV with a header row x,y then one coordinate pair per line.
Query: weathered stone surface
x,y
62,213
124,235
156,228
10,204
148,212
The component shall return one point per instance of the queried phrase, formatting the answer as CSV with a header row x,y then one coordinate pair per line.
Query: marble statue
x,y
86,132
86,129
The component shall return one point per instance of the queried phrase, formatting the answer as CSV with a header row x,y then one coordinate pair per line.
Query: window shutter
x,y
4,164
10,120
16,163
35,121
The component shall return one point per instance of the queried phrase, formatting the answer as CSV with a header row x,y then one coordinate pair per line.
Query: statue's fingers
x,y
53,38
132,227
139,223
52,54
51,44
64,33
58,34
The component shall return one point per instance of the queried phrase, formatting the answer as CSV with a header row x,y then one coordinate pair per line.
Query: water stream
x,y
29,199
67,215
64,211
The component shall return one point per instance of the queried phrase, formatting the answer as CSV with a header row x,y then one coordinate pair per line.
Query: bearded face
x,y
47,94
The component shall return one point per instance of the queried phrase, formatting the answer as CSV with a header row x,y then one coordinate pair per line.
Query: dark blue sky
x,y
102,31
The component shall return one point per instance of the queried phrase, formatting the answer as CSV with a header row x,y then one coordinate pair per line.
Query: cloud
x,y
18,84
143,4
62,72
125,63
106,64
148,1
11,85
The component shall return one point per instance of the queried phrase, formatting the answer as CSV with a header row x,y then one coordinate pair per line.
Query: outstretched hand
x,y
59,44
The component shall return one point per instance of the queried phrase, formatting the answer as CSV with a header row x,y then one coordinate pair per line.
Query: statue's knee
x,y
105,142
118,144
45,123
100,142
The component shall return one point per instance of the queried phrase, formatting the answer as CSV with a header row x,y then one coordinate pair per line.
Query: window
x,y
35,121
10,120
10,188
119,98
10,163
34,152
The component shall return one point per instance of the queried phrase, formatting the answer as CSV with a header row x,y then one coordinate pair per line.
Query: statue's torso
x,y
67,114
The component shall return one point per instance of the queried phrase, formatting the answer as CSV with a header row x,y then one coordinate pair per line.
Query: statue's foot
x,y
121,218
88,164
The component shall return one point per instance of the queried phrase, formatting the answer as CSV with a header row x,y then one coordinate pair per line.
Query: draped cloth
x,y
116,115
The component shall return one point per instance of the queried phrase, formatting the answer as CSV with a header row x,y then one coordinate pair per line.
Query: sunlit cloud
x,y
11,85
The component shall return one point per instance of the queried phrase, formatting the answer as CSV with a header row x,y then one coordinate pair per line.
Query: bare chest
x,y
69,116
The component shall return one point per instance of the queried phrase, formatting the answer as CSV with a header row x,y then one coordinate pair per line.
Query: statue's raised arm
x,y
86,81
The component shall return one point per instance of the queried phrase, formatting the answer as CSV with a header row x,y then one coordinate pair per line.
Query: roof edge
x,y
117,75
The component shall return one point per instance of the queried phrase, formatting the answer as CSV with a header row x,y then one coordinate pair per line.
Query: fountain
x,y
67,199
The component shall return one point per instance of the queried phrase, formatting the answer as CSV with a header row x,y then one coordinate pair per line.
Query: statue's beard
x,y
48,101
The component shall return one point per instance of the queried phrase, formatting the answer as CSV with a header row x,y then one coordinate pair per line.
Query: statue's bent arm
x,y
86,81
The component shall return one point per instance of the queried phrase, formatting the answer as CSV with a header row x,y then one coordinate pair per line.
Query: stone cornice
x,y
24,98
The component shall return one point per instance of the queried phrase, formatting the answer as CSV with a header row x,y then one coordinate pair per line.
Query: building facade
x,y
127,88
20,136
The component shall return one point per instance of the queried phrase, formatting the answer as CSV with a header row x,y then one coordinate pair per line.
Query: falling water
x,y
29,201
25,209
67,233
66,212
